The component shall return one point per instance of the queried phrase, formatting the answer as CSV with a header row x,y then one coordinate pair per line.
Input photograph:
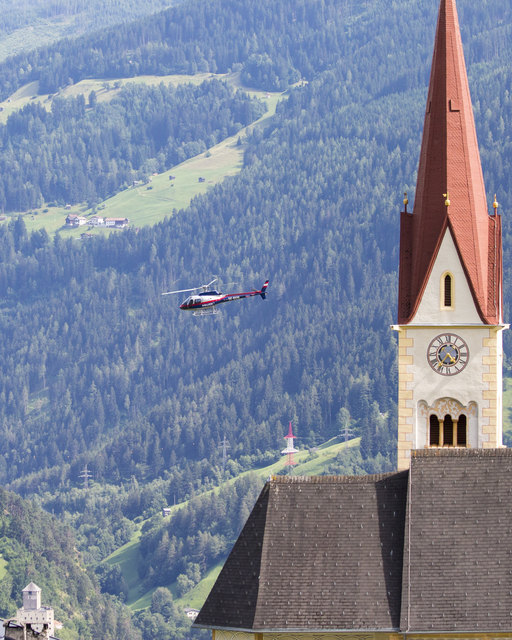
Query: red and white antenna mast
x,y
290,449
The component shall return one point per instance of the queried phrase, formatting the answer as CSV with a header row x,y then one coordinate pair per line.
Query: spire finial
x,y
447,199
406,201
495,205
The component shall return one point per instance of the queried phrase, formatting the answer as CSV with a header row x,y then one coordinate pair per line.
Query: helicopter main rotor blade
x,y
202,286
168,293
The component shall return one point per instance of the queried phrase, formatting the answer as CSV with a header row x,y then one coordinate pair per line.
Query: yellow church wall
x,y
405,398
331,636
475,390
494,383
457,636
237,635
219,634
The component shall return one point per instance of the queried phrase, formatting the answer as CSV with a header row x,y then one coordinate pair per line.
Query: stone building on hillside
x,y
32,620
427,550
33,613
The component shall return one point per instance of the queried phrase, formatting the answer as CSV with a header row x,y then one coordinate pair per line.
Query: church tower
x,y
450,281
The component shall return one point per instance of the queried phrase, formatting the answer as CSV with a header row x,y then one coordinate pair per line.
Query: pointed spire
x,y
449,164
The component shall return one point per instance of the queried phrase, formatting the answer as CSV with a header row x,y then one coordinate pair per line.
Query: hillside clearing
x,y
195,597
165,193
106,89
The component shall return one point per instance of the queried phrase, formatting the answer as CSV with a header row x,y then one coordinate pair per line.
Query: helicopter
x,y
204,300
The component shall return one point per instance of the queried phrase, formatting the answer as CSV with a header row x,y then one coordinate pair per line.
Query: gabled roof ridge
x,y
435,253
501,452
359,479
469,280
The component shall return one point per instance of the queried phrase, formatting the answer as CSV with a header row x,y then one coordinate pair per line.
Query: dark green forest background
x,y
27,24
99,370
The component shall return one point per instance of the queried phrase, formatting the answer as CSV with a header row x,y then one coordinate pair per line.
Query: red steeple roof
x,y
450,163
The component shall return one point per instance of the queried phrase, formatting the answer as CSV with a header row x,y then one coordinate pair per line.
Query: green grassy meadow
x,y
196,597
127,556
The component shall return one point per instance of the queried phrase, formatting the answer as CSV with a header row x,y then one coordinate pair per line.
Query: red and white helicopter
x,y
204,301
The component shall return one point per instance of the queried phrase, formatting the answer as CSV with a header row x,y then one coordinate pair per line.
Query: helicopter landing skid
x,y
210,311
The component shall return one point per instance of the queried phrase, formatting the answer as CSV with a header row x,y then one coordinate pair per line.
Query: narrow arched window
x,y
462,438
448,298
434,431
448,431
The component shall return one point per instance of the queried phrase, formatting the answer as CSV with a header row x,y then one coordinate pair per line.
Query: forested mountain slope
x,y
274,44
99,369
28,24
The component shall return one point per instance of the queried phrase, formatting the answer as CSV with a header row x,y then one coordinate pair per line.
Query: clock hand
x,y
443,359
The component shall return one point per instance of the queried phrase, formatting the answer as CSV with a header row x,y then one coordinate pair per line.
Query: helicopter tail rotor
x,y
263,290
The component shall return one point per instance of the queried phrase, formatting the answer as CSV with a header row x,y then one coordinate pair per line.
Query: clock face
x,y
448,354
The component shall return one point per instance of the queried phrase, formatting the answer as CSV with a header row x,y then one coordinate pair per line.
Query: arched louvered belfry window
x,y
447,431
462,432
447,291
435,432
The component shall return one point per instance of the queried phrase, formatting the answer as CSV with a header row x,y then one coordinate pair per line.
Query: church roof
x,y
450,168
316,553
458,547
428,549
31,586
